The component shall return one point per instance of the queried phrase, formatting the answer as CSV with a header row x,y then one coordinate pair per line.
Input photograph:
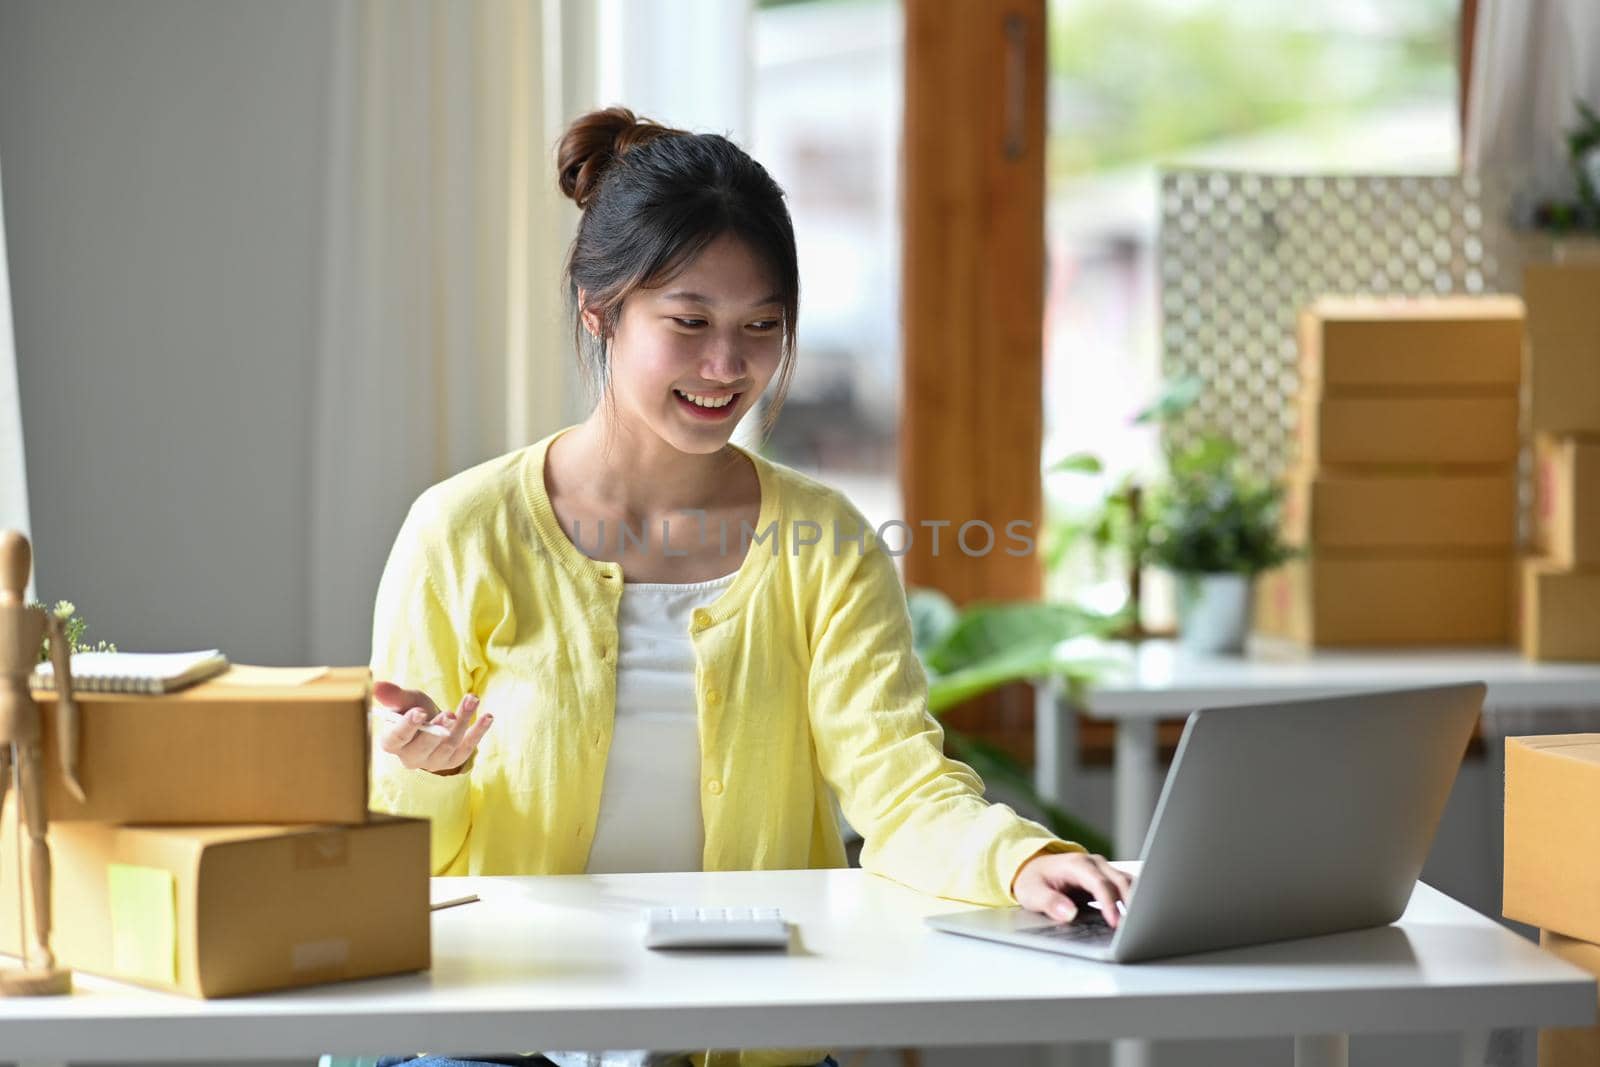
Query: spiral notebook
x,y
135,672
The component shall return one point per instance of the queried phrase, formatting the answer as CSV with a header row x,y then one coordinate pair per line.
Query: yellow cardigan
x,y
807,687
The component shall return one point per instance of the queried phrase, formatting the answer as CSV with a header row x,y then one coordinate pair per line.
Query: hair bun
x,y
596,140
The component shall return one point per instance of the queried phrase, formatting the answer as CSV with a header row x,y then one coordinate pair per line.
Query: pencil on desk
x,y
470,898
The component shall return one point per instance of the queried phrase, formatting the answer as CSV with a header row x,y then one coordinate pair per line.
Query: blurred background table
x,y
1155,680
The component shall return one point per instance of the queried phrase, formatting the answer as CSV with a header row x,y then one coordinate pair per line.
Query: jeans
x,y
521,1061
449,1061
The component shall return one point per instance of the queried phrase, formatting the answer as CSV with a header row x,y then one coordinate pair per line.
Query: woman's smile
x,y
707,407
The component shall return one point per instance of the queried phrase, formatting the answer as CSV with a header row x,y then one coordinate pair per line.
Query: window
x,y
826,115
1353,86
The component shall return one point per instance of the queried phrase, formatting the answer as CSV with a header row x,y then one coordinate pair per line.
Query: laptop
x,y
1277,821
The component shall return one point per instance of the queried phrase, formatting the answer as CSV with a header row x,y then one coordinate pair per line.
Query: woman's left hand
x,y
1049,882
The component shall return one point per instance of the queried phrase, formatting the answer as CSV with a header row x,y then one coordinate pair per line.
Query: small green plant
x,y
73,628
1119,526
1121,519
1583,147
1211,519
1117,521
1583,153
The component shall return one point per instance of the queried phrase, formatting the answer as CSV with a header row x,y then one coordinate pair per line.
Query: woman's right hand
x,y
424,750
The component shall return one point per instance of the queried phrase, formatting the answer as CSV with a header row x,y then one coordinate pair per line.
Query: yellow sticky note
x,y
144,922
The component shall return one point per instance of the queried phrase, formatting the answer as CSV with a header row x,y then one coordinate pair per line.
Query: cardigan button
x,y
713,697
702,619
714,787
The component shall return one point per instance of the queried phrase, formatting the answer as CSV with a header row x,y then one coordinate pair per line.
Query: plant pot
x,y
1213,612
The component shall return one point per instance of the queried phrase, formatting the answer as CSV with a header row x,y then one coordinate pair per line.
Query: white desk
x,y
557,963
1157,679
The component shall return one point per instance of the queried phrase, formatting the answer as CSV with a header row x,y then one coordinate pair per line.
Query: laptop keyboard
x,y
1088,926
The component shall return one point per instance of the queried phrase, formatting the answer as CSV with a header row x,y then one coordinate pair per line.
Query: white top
x,y
650,802
562,958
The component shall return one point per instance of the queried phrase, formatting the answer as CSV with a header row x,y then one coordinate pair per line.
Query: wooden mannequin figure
x,y
22,630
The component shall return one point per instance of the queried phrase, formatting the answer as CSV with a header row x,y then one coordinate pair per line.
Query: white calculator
x,y
715,928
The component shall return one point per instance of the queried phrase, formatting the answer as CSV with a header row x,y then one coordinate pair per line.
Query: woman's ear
x,y
589,317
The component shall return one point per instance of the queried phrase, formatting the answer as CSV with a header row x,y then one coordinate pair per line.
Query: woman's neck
x,y
633,472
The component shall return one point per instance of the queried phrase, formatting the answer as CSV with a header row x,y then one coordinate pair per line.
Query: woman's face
x,y
690,358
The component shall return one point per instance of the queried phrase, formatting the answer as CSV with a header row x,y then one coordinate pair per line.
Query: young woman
x,y
651,649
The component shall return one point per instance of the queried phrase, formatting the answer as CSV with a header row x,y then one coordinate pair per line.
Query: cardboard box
x,y
218,753
223,910
1560,612
1563,369
1566,510
1371,599
1403,429
1574,1046
1428,342
1552,839
1353,510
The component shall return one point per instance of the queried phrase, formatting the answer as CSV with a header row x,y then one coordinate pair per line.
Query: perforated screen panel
x,y
1240,253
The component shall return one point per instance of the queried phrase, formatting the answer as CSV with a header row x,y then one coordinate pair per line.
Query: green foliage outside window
x,y
1138,80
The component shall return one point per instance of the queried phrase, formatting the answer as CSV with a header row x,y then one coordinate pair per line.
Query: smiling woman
x,y
682,701
648,214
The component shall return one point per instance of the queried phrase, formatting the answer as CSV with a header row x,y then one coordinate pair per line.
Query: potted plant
x,y
1119,525
1215,529
1568,216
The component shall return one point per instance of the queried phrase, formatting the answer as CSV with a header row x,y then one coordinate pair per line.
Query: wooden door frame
x,y
973,312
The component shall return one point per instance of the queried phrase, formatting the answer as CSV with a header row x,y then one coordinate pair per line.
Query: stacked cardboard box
x,y
225,845
1404,491
1552,864
1560,598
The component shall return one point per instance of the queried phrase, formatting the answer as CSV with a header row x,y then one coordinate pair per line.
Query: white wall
x,y
163,169
13,469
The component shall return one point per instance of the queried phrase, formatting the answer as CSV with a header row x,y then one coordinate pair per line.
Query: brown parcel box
x,y
1566,510
1408,428
1577,1046
1552,838
1559,612
218,753
1350,510
217,911
1430,342
1563,371
1354,599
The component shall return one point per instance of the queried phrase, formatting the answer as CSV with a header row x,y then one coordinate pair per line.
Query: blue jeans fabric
x,y
528,1061
448,1061
524,1061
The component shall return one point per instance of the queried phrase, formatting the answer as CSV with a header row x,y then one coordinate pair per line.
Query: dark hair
x,y
653,198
